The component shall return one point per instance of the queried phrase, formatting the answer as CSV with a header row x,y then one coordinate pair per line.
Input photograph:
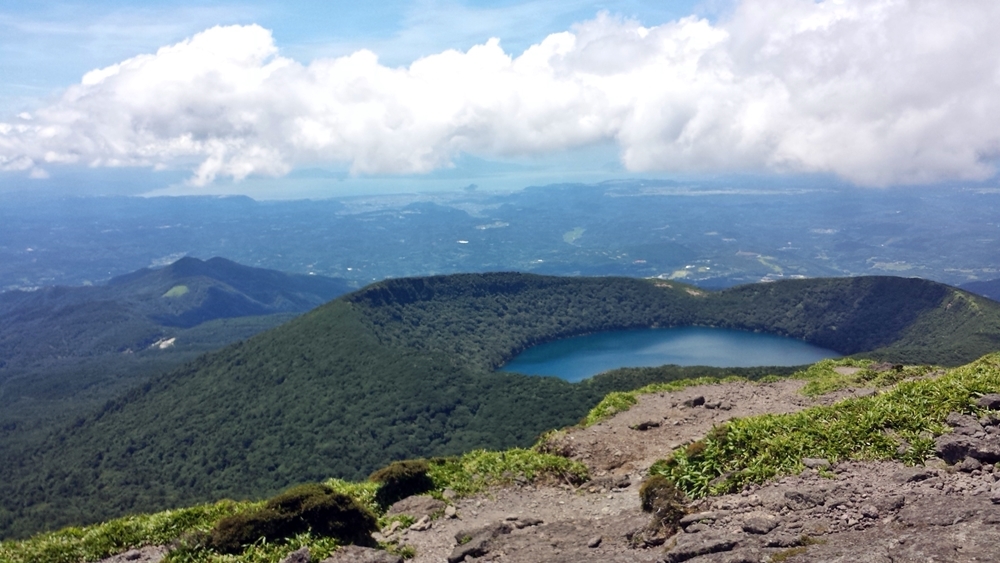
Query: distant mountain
x,y
989,288
405,368
133,311
65,348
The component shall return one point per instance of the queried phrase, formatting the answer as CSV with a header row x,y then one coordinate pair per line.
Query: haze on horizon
x,y
187,97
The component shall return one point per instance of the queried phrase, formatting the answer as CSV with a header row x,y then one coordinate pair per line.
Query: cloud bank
x,y
878,92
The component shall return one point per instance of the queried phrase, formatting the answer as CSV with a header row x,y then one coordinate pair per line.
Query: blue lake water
x,y
574,359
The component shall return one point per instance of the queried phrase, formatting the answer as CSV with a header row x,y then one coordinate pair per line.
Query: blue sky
x,y
297,99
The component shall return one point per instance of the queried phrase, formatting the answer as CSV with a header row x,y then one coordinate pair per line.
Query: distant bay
x,y
578,358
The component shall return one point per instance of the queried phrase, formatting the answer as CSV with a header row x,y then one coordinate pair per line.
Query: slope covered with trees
x,y
66,350
404,368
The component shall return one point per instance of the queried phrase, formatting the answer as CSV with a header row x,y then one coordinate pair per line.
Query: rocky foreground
x,y
947,510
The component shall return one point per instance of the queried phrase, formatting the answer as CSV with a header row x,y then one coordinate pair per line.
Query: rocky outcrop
x,y
417,506
478,542
978,439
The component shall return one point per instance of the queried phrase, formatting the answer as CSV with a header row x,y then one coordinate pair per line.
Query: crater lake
x,y
580,357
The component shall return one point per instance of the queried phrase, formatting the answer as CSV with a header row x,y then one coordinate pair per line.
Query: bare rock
x,y
695,401
804,499
300,555
610,482
477,542
913,474
963,424
594,542
890,503
970,464
953,448
689,546
935,511
987,449
759,523
870,511
698,517
643,426
990,401
422,525
522,523
816,463
450,512
781,539
358,554
417,506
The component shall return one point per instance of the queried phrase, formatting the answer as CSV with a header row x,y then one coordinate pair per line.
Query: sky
x,y
305,99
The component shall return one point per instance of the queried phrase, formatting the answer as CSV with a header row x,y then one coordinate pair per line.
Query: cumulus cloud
x,y
876,91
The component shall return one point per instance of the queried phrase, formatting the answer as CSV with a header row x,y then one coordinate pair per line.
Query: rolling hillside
x,y
404,368
66,350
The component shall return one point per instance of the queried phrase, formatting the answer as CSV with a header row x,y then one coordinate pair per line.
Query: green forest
x,y
405,369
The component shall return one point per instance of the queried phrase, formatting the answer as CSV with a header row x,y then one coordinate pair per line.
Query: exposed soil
x,y
877,512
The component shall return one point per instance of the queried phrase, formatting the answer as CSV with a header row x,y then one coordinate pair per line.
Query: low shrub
x,y
667,505
313,507
401,479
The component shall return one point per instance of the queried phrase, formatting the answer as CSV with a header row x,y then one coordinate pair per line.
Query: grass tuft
x,y
758,448
822,377
91,543
480,469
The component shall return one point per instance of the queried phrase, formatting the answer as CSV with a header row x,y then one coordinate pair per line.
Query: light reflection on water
x,y
574,359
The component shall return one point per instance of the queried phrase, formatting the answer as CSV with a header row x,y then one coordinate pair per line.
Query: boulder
x,y
477,542
990,401
760,524
695,401
300,555
816,463
417,506
689,546
953,448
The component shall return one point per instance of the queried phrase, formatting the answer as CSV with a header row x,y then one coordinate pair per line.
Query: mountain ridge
x,y
67,350
403,368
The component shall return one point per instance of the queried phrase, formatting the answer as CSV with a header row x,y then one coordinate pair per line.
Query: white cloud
x,y
876,91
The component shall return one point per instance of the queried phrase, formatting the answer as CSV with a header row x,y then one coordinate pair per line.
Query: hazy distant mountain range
x,y
989,288
710,234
